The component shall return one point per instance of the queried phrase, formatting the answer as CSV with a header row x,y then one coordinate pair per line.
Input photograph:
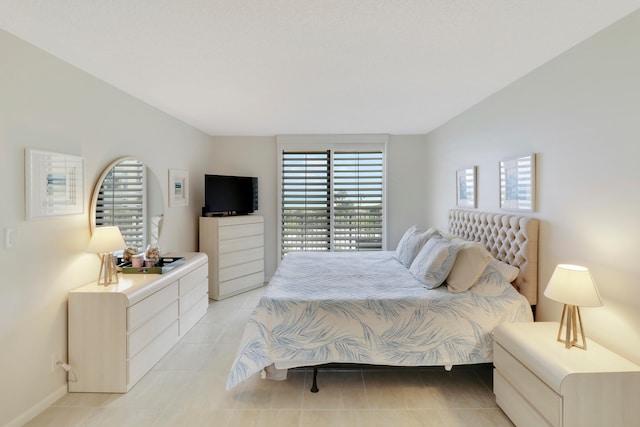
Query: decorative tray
x,y
164,265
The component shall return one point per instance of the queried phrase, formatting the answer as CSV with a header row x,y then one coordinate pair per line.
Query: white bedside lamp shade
x,y
573,286
104,241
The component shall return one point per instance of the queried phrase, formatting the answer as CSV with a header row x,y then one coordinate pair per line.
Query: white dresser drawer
x,y
241,230
189,300
242,243
241,257
195,313
151,354
241,284
532,388
139,313
515,406
236,271
193,280
146,333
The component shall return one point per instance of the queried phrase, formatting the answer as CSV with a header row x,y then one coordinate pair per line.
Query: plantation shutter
x,y
121,202
306,209
357,201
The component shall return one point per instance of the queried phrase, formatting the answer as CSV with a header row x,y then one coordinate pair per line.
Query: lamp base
x,y
571,321
108,273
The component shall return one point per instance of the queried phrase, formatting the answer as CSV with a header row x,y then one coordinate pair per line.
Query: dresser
x,y
538,382
117,333
235,247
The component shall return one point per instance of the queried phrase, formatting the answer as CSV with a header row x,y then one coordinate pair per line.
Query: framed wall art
x,y
178,188
54,184
518,183
466,188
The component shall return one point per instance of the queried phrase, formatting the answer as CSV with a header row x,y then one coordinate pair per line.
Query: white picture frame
x,y
518,183
54,184
178,188
466,187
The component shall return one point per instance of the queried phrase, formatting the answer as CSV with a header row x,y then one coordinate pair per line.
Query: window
x,y
332,193
121,202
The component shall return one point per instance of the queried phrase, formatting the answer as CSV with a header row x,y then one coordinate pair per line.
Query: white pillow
x,y
509,272
470,263
491,283
434,261
412,241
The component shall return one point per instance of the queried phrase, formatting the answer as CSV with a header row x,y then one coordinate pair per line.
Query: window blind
x,y
332,200
306,224
121,201
357,201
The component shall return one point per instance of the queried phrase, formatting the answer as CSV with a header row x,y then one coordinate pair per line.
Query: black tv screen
x,y
230,195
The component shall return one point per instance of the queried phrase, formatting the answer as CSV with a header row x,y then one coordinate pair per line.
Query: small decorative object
x,y
104,241
466,187
518,183
136,260
54,184
572,285
128,254
152,255
178,188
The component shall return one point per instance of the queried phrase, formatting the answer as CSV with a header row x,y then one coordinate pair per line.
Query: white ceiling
x,y
266,67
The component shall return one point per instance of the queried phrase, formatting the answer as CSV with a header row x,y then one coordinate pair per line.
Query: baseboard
x,y
39,407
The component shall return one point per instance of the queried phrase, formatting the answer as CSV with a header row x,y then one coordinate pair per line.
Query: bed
x,y
383,308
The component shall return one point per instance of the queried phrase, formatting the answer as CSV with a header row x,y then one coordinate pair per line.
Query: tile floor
x,y
187,388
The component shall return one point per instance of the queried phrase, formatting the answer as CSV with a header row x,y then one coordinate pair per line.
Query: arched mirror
x,y
129,195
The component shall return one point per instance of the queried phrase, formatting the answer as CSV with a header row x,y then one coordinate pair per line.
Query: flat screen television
x,y
230,195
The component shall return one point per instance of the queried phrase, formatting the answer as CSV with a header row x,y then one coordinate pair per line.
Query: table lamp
x,y
572,285
104,241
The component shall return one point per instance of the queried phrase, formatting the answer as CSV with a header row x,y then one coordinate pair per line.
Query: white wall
x,y
580,114
257,156
49,105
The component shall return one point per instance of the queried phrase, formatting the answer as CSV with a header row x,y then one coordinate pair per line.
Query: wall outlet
x,y
10,237
56,359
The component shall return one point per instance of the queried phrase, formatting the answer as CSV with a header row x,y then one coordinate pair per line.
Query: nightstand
x,y
538,382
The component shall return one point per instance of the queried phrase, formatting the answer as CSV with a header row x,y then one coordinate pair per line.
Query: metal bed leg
x,y
314,386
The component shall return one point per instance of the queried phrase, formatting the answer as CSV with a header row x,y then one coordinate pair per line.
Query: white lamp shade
x,y
573,284
106,239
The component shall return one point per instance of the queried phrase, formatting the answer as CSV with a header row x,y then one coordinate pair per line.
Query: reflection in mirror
x,y
128,195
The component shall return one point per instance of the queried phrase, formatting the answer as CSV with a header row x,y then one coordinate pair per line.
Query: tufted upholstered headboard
x,y
510,238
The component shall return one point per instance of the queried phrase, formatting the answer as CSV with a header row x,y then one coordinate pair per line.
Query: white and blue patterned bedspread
x,y
366,307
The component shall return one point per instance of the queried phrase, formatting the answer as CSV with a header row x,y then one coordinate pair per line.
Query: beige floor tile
x,y
338,390
265,418
186,356
122,417
459,389
257,393
57,416
336,418
175,416
87,400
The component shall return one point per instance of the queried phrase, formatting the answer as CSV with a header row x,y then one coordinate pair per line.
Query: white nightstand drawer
x,y
532,388
150,306
515,406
